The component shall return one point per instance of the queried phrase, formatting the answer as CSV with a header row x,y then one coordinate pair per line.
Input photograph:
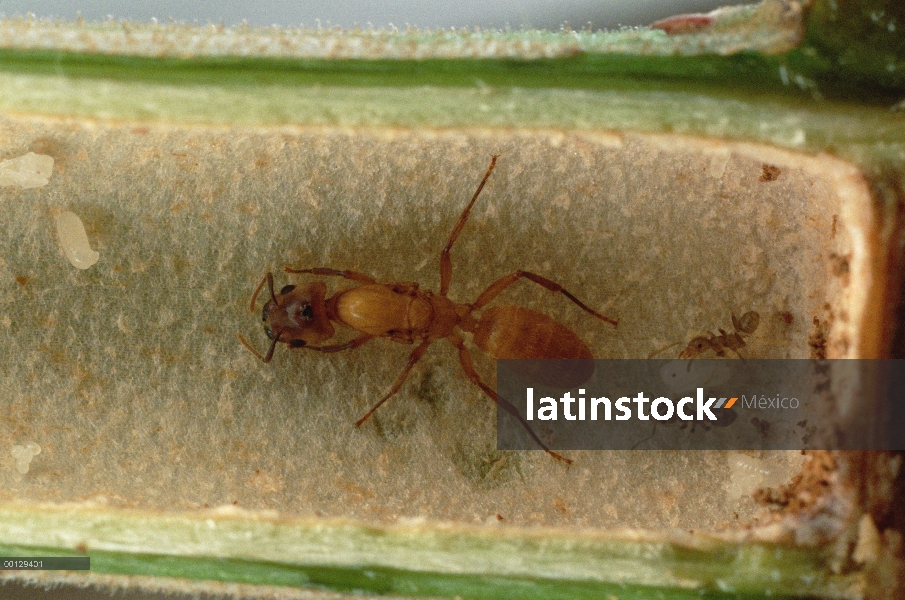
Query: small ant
x,y
734,341
403,312
747,325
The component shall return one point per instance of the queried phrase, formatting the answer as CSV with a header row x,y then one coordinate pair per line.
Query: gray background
x,y
541,14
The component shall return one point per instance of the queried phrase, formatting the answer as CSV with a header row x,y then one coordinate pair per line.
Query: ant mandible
x,y
302,316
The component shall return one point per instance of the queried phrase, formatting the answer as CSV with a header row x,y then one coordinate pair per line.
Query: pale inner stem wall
x,y
129,376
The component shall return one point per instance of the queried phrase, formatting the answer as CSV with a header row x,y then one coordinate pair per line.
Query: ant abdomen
x,y
747,323
513,332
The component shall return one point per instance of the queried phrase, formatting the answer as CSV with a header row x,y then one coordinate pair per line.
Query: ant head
x,y
695,347
296,316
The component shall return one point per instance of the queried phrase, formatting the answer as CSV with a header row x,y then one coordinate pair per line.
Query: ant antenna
x,y
254,297
266,358
656,352
270,285
263,358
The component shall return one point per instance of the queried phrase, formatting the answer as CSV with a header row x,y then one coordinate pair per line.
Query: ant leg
x,y
468,367
641,441
736,352
445,260
656,352
497,287
416,355
353,275
350,345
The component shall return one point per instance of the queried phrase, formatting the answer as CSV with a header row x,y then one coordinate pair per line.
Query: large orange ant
x,y
302,316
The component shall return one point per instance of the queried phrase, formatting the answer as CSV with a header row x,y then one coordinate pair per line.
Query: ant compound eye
x,y
286,289
297,343
307,312
268,331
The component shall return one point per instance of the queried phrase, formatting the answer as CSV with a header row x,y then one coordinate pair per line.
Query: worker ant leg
x,y
353,275
468,367
416,355
641,441
497,287
445,260
350,345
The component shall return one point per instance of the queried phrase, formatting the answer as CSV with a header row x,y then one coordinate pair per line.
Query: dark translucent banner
x,y
699,404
